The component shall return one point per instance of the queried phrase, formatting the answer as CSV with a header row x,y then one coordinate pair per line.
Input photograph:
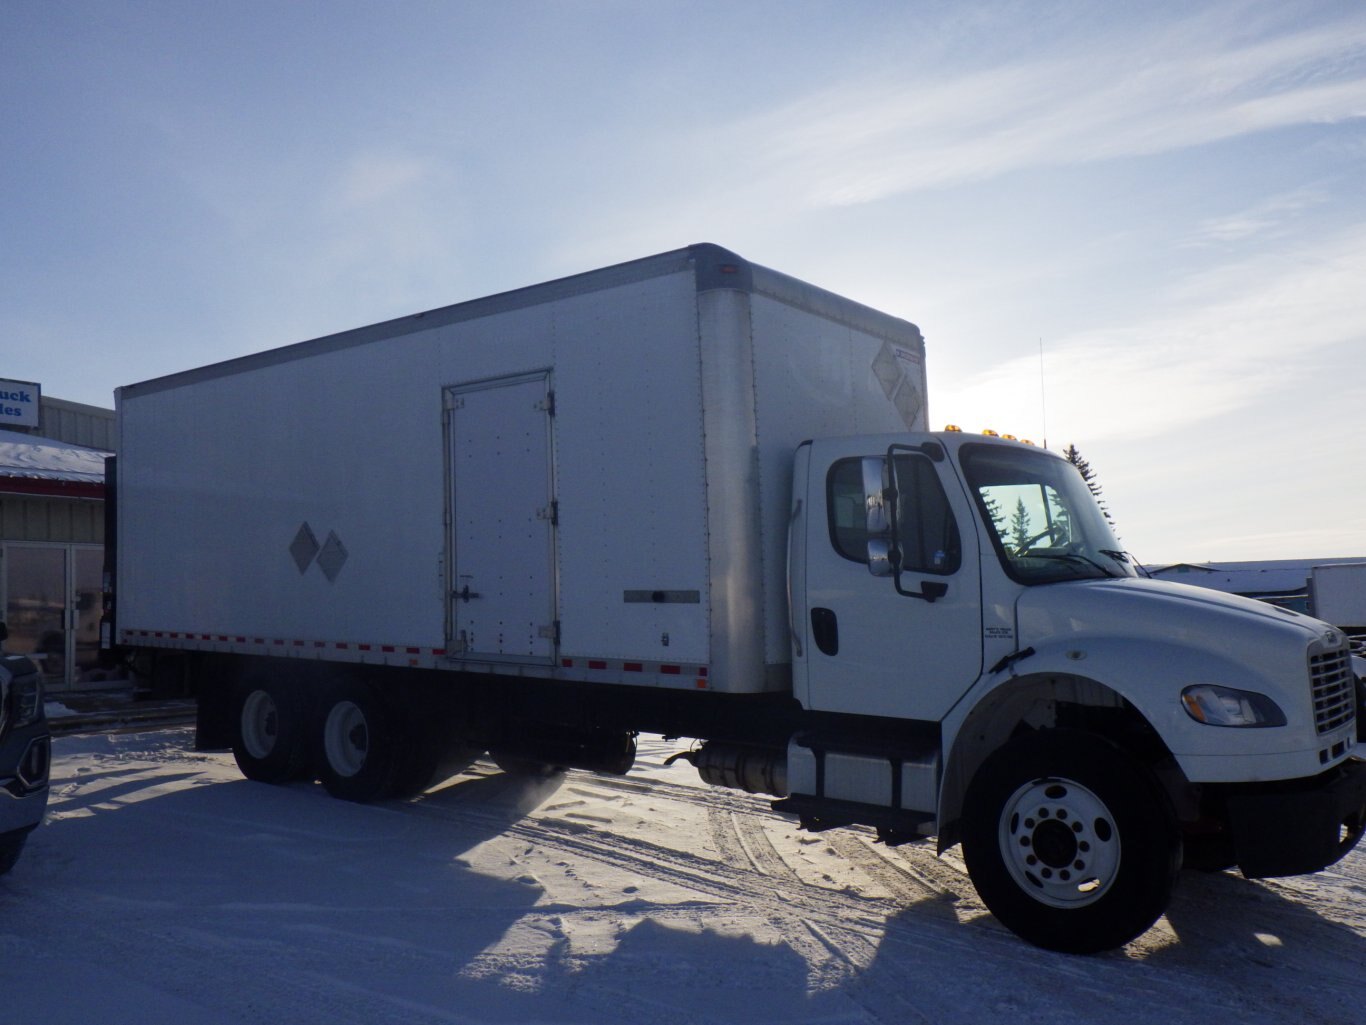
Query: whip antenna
x,y
1043,397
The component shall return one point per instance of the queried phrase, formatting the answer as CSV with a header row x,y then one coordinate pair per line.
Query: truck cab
x,y
1052,707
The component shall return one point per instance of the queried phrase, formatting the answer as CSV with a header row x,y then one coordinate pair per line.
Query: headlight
x,y
1223,706
27,694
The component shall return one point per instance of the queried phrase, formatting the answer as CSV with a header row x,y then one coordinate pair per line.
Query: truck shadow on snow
x,y
1222,929
1271,923
403,912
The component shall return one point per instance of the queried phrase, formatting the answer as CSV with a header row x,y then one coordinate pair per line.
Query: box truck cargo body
x,y
550,480
692,496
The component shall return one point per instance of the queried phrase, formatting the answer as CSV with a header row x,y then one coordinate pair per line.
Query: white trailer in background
x,y
1337,595
691,496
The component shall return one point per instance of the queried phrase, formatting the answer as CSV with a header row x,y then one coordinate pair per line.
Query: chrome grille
x,y
1330,675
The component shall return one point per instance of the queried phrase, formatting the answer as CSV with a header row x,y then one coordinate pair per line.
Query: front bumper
x,y
25,756
1299,826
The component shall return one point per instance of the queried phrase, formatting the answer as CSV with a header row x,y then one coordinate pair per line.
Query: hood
x,y
1138,609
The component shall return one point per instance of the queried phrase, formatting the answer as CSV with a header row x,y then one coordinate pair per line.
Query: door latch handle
x,y
464,594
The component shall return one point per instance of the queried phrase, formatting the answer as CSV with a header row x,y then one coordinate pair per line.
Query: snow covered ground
x,y
164,888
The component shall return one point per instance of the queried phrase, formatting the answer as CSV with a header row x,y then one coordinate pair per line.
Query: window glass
x,y
36,606
848,510
927,533
1045,524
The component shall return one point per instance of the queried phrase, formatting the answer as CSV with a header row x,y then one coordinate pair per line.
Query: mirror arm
x,y
929,589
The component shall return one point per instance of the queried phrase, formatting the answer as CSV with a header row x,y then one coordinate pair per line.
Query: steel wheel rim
x,y
1059,843
346,738
260,724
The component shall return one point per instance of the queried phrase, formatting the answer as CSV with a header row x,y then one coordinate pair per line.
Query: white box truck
x,y
690,496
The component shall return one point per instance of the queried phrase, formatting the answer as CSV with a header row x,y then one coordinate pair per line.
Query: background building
x,y
1289,583
52,536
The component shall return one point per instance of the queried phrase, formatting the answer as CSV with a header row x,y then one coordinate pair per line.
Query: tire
x,y
359,744
1070,841
11,846
269,738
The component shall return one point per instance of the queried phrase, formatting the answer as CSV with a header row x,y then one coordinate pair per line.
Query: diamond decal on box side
x,y
304,547
332,557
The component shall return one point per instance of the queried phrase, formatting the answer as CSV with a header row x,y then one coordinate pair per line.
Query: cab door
x,y
905,648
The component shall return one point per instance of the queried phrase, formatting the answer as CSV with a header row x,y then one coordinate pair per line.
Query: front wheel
x,y
1070,842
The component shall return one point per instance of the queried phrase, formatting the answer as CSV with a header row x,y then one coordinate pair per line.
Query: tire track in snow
x,y
904,883
742,841
928,872
737,885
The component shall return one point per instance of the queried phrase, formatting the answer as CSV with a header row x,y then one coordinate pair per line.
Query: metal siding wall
x,y
24,518
76,424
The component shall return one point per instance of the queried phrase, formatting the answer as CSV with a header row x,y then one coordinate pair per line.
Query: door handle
x,y
825,631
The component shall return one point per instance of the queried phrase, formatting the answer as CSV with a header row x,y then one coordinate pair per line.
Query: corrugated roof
x,y
1267,577
28,457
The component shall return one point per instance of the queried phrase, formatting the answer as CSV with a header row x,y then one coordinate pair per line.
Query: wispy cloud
x,y
374,176
1266,218
1126,95
1224,341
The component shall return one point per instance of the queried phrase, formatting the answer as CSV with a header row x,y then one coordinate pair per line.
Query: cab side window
x,y
927,532
847,511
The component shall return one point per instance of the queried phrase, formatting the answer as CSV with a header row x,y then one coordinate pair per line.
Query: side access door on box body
x,y
501,519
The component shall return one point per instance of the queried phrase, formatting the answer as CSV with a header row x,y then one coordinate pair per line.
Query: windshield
x,y
1045,524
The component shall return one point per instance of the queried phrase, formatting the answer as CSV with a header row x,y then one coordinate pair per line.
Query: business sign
x,y
19,403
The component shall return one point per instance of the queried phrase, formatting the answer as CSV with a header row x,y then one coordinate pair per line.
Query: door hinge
x,y
550,512
551,633
547,404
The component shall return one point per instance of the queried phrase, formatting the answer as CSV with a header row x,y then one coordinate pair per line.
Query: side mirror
x,y
874,495
879,557
876,521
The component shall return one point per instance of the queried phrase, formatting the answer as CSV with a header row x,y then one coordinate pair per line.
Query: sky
x,y
1139,229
